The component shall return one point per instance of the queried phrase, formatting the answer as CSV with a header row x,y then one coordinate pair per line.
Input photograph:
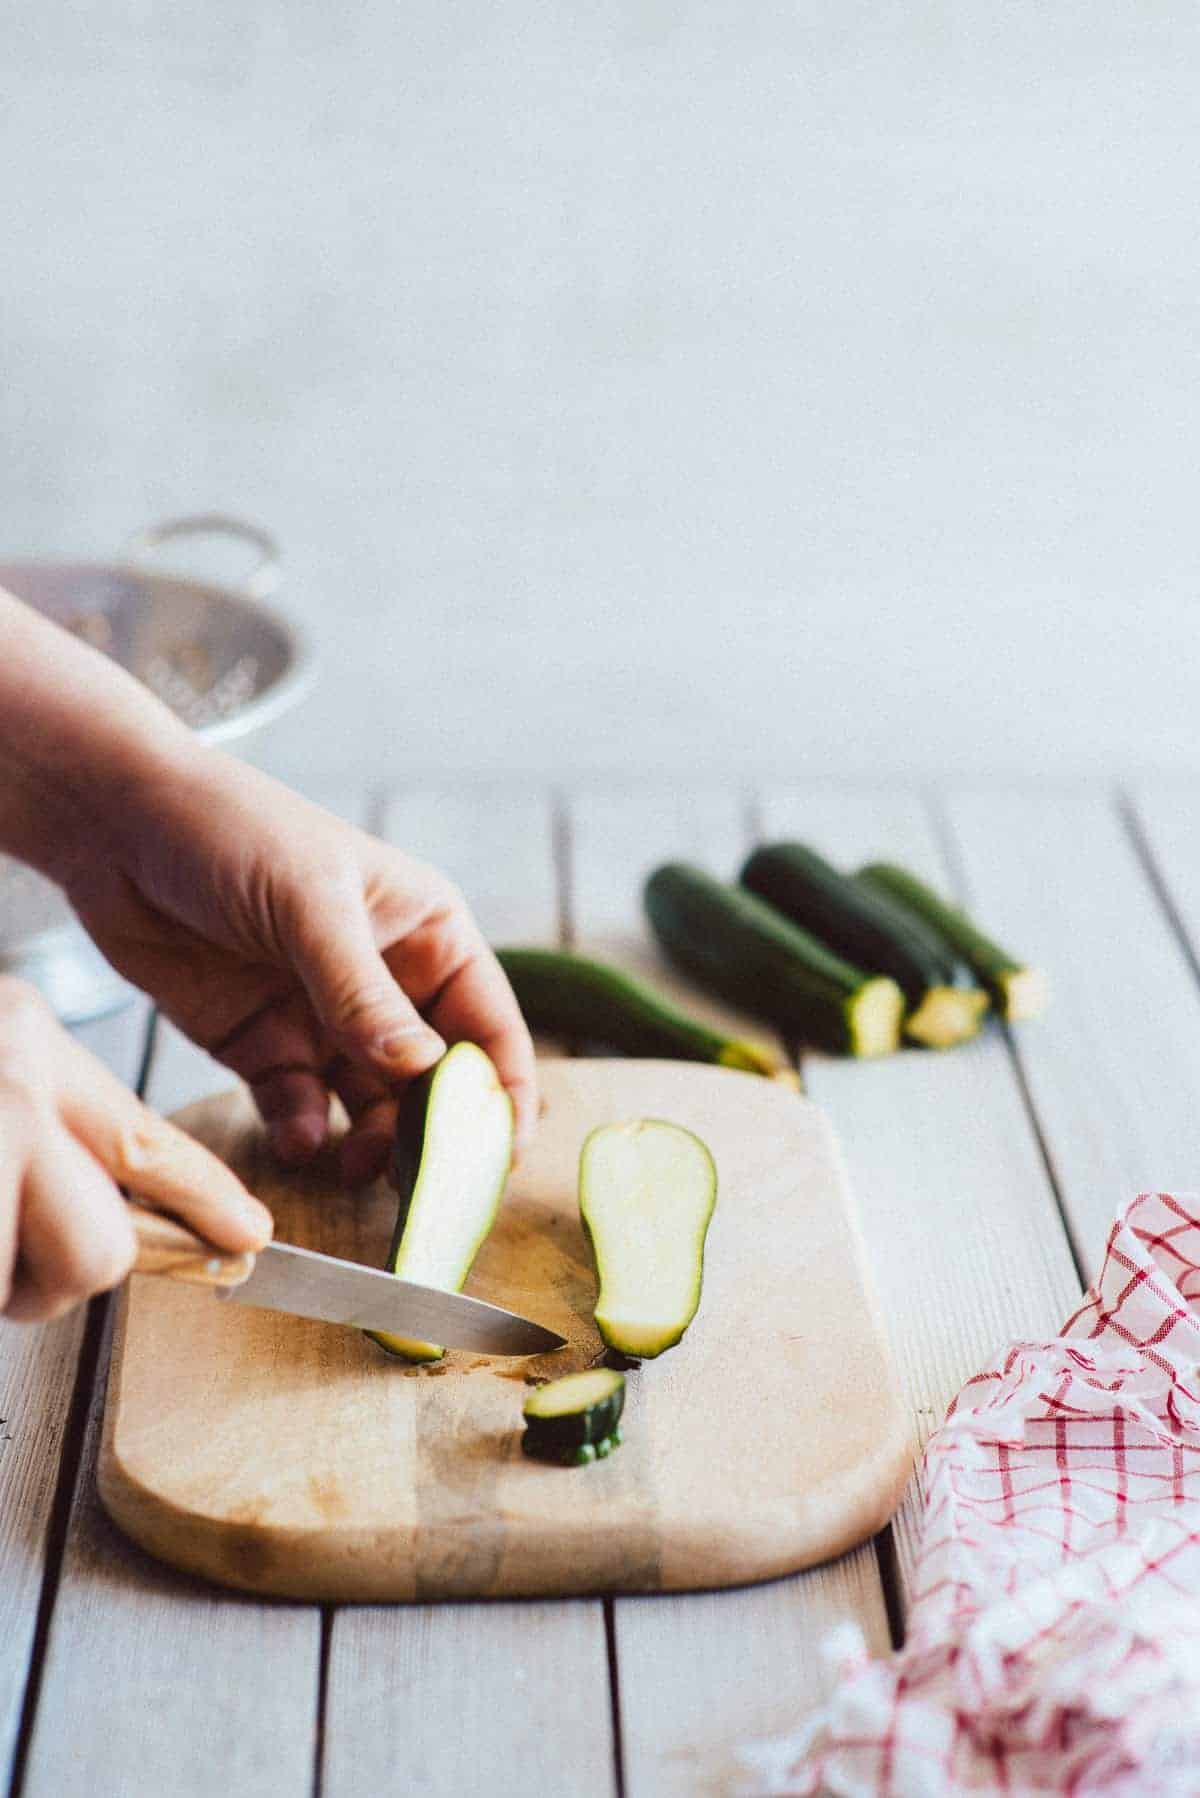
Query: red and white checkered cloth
x,y
1054,1638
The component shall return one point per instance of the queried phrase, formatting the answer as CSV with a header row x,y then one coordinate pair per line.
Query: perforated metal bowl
x,y
221,658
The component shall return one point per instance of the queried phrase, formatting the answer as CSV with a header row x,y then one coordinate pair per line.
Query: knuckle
x,y
140,1143
98,1264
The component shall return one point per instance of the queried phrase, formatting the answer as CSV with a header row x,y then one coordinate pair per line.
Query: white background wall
x,y
669,383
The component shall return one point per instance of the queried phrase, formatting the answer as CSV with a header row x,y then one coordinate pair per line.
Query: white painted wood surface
x,y
474,1699
37,1381
965,1238
683,1706
234,1685
1114,1065
962,1226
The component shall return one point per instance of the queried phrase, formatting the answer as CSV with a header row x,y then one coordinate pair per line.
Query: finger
x,y
162,1164
477,1004
277,1051
15,1148
294,1105
371,1105
354,994
75,1234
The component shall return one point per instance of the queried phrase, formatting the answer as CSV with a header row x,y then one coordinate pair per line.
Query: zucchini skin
x,y
870,929
575,997
864,925
1016,989
408,1153
745,951
576,1437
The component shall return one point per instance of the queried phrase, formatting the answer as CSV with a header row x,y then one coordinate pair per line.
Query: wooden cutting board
x,y
292,1458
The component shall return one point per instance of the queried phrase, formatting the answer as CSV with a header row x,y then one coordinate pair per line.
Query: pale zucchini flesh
x,y
454,1150
646,1194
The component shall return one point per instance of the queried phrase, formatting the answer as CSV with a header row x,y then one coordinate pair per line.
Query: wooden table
x,y
986,1180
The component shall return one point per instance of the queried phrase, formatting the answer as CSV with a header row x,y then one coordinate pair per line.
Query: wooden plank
x,y
699,1674
1113,1066
154,1683
469,1700
497,1690
199,1653
962,1227
37,1381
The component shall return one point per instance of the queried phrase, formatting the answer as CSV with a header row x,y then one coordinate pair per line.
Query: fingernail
x,y
258,1219
295,1139
398,1045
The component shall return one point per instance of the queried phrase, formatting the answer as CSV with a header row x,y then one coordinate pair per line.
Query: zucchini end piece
x,y
1021,993
947,1015
874,1016
576,1419
748,1058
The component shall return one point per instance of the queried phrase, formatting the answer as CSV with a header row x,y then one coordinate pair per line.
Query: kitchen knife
x,y
282,1277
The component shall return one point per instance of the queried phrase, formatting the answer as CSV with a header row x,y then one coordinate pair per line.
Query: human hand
x,y
303,953
69,1134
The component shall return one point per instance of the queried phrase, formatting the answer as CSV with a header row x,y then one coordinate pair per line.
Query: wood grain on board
x,y
283,1456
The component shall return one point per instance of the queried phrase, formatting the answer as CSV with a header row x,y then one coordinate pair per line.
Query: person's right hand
x,y
70,1134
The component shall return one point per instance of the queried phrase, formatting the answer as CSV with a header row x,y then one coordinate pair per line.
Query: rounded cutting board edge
x,y
290,1458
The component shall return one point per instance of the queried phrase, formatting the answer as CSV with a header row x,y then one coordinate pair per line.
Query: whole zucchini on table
x,y
874,932
575,997
450,1163
742,949
1017,990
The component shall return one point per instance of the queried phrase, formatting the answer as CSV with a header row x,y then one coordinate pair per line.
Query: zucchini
x,y
451,1159
577,998
575,1419
646,1194
1017,990
738,946
872,931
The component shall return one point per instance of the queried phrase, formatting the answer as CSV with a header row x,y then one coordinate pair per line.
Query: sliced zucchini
x,y
646,1194
575,1419
451,1160
1017,990
874,932
741,948
575,997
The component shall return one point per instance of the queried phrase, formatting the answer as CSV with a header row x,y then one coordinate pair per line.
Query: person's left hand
x,y
304,954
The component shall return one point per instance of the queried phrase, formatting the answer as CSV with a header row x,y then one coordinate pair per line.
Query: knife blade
x,y
287,1278
284,1277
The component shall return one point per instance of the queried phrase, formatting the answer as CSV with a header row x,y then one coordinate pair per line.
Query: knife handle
x,y
165,1247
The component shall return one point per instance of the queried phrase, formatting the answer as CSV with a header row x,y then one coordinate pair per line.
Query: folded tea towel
x,y
1054,1635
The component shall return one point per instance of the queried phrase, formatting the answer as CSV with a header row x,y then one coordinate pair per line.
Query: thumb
x,y
354,993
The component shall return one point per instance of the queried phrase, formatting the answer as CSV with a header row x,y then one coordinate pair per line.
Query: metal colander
x,y
223,661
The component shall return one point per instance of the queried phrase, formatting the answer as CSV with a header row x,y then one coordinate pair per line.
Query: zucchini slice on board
x,y
575,997
453,1152
1017,990
873,931
742,949
576,1419
646,1194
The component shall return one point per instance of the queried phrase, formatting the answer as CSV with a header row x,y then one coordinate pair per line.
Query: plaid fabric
x,y
1054,1637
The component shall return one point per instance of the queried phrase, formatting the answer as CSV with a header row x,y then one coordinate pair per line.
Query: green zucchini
x,y
577,998
738,946
872,931
451,1159
1016,990
575,1419
646,1194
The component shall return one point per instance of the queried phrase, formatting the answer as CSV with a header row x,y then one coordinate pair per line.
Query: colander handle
x,y
263,577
